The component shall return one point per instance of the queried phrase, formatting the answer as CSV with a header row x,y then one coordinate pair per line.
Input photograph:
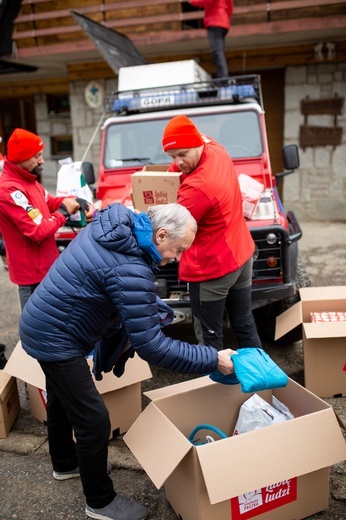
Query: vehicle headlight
x,y
271,238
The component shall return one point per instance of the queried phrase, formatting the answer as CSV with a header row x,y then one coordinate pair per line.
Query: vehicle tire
x,y
265,317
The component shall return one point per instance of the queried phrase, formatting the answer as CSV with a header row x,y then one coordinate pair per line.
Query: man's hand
x,y
86,208
71,205
225,364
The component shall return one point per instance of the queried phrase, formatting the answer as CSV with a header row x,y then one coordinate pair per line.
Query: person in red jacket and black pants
x,y
29,215
218,265
217,16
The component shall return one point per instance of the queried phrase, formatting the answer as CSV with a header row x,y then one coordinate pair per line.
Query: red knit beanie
x,y
22,145
180,132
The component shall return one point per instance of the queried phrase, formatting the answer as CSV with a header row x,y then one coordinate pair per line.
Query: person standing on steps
x,y
217,21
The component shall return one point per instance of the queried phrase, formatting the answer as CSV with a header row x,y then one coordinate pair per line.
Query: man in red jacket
x,y
217,16
29,215
218,265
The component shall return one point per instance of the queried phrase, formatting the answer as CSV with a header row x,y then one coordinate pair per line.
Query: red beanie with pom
x,y
180,132
22,145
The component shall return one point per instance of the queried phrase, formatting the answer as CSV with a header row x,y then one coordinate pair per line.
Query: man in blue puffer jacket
x,y
100,295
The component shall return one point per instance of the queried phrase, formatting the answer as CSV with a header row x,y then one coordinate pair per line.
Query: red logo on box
x,y
43,395
263,500
148,197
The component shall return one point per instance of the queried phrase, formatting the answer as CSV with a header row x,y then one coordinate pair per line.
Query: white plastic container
x,y
161,75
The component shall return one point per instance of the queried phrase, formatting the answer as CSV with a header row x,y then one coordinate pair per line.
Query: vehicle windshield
x,y
136,143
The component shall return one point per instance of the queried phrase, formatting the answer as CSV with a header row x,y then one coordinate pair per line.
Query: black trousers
x,y
24,292
74,404
210,299
216,37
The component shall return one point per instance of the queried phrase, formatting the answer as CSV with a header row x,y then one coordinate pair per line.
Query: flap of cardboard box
x,y
154,168
325,330
167,391
136,370
288,320
157,446
26,368
337,292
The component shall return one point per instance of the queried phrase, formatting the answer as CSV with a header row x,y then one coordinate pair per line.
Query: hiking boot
x,y
118,509
66,475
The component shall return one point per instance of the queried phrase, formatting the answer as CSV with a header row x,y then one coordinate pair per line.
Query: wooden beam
x,y
27,88
117,6
99,8
239,62
160,38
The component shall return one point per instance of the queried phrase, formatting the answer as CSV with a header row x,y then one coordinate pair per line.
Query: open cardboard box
x,y
122,396
9,403
154,185
324,344
280,472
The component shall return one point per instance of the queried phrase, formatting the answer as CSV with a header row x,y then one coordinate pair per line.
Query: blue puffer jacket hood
x,y
121,230
101,292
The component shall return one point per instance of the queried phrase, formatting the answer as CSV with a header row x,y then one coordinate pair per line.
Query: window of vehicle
x,y
139,142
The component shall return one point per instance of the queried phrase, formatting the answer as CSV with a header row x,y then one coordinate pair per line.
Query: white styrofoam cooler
x,y
161,75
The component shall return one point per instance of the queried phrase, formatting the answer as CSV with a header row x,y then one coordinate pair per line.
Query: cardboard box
x,y
324,344
154,185
122,396
279,472
9,403
161,75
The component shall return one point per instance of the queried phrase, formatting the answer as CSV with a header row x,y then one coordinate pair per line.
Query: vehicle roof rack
x,y
234,89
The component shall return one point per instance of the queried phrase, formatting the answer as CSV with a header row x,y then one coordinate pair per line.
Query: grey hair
x,y
174,217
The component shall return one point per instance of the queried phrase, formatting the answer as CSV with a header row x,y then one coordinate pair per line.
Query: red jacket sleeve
x,y
36,223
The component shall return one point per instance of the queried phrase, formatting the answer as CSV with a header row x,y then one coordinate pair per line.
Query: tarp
x,y
116,48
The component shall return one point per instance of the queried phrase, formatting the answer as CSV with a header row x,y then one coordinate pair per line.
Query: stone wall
x,y
82,123
87,122
317,190
48,125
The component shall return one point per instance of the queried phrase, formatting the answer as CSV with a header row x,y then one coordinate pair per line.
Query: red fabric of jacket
x,y
217,13
28,221
211,193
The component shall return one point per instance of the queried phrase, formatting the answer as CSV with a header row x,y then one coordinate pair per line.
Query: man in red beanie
x,y
217,16
218,265
29,215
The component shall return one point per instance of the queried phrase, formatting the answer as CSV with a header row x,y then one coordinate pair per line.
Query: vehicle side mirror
x,y
88,172
290,157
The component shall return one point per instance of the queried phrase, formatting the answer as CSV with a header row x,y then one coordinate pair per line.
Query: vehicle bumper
x,y
265,294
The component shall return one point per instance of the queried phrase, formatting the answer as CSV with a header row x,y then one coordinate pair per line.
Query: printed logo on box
x,y
148,197
43,395
263,500
161,197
